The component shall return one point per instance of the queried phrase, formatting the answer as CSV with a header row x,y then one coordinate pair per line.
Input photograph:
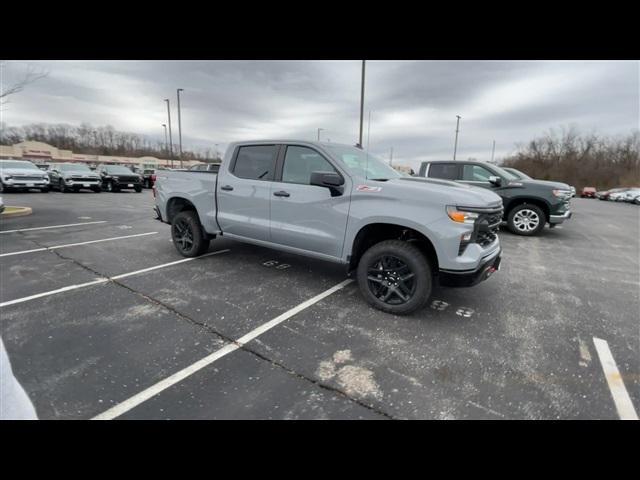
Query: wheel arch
x,y
375,232
538,202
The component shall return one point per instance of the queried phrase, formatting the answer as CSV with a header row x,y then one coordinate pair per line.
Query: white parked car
x,y
630,194
617,196
22,175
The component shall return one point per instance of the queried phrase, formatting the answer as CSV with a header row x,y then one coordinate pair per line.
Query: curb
x,y
16,212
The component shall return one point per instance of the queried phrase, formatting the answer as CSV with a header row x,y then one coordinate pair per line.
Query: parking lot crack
x,y
244,347
222,336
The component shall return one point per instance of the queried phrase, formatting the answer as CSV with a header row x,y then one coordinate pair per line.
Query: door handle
x,y
228,188
281,193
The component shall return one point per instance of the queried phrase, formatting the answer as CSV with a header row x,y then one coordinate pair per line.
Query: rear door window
x,y
446,171
256,162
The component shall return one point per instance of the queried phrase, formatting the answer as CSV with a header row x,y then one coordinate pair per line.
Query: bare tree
x,y
31,75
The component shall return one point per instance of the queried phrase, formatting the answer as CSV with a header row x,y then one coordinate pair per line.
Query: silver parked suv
x,y
21,175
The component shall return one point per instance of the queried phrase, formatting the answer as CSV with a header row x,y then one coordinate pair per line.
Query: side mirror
x,y
330,180
495,180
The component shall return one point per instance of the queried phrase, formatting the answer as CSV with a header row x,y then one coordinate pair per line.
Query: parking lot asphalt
x,y
518,346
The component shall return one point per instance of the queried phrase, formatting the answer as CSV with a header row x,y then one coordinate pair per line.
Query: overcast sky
x,y
413,104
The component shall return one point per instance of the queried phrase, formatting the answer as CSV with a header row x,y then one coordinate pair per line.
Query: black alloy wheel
x,y
391,280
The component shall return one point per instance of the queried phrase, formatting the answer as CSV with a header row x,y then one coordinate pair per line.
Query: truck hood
x,y
451,193
82,173
544,183
22,171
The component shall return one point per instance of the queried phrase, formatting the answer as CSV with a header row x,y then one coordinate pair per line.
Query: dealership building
x,y
39,153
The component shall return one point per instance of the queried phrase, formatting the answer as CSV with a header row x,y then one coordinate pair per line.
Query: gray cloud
x,y
413,104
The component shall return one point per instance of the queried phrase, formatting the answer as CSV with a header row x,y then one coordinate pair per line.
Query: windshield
x,y
503,173
363,164
518,173
74,168
117,169
28,165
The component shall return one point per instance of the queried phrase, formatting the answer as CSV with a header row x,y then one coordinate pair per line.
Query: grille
x,y
28,178
84,179
128,179
486,238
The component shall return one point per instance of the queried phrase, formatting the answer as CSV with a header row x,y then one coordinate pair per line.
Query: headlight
x,y
114,178
561,193
461,216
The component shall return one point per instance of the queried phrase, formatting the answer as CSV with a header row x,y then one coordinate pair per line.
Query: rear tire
x,y
526,219
187,234
96,189
45,190
138,189
394,276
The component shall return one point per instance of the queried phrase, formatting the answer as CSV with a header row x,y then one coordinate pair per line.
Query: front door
x,y
306,216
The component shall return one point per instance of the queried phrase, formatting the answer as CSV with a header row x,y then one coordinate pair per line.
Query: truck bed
x,y
198,188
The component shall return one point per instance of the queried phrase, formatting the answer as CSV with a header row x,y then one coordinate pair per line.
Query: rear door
x,y
306,216
244,191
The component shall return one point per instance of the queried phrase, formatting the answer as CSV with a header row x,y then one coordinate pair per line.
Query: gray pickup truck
x,y
400,234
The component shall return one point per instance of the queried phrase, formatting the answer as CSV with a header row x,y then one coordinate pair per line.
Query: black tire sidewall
x,y
200,242
417,262
527,206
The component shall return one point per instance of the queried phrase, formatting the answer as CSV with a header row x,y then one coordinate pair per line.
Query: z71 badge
x,y
367,188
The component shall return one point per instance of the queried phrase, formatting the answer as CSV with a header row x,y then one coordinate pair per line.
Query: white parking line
x,y
177,377
55,247
614,380
52,226
103,280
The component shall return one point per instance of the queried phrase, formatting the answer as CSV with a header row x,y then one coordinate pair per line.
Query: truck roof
x,y
289,140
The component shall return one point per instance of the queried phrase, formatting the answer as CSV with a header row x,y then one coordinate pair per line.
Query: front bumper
x,y
83,183
25,184
451,278
125,185
556,219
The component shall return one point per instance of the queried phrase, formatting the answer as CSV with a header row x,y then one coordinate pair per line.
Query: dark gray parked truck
x,y
528,204
399,234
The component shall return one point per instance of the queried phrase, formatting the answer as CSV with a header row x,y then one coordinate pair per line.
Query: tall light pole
x,y
166,138
493,150
170,138
180,126
369,131
319,133
361,103
455,146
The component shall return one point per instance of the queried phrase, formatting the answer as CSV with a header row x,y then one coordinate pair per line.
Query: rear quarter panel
x,y
195,187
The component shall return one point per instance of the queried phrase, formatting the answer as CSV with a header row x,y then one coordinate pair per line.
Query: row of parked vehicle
x,y
21,175
625,194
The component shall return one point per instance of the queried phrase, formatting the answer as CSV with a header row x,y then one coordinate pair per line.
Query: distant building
x,y
39,153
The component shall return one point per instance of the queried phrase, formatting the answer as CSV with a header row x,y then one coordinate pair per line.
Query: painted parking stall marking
x,y
104,280
52,226
621,398
56,247
177,377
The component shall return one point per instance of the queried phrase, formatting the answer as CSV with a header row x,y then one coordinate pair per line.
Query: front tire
x,y
187,234
45,190
526,219
138,189
394,276
62,187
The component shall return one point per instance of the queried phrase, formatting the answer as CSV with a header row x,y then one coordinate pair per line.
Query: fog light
x,y
466,237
